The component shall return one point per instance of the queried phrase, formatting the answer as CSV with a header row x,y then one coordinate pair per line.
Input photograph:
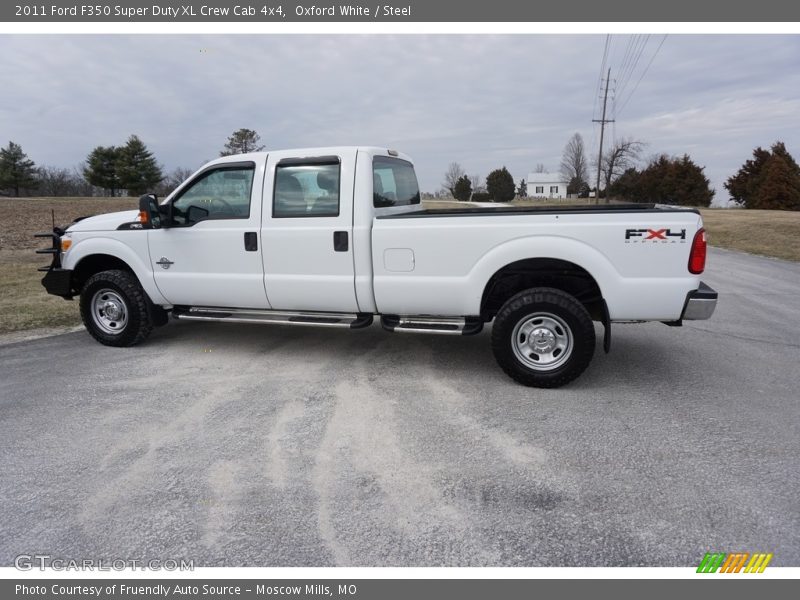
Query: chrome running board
x,y
428,324
272,317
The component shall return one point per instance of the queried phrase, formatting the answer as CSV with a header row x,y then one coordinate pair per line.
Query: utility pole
x,y
602,122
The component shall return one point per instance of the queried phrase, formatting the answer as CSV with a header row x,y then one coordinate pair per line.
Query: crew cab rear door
x,y
307,232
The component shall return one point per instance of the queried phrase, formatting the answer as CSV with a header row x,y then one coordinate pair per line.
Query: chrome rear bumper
x,y
700,303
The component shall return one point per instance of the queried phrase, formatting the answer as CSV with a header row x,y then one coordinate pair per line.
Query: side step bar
x,y
272,317
426,324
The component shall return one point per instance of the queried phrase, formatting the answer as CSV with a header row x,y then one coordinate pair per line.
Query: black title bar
x,y
278,11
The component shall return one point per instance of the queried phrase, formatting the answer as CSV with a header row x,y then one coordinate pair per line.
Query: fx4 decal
x,y
655,235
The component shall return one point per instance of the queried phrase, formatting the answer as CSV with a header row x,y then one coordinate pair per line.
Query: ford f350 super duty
x,y
337,236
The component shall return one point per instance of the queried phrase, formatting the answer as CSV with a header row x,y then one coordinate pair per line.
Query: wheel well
x,y
541,272
94,263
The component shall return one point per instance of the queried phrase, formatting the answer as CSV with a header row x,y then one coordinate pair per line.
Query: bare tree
x,y
173,180
574,164
79,186
54,181
454,172
619,158
540,168
477,183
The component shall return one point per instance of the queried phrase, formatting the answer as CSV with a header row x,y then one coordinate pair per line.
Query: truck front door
x,y
307,233
209,255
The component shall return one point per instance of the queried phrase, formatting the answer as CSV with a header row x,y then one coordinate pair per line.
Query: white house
x,y
546,185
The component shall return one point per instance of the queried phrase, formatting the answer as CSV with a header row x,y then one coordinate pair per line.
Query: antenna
x,y
53,216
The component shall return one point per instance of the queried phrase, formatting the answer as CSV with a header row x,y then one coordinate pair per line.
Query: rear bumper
x,y
58,282
700,303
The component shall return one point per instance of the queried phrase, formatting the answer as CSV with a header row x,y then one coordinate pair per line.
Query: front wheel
x,y
543,337
114,309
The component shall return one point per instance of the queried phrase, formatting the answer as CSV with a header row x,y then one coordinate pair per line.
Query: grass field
x,y
773,233
25,305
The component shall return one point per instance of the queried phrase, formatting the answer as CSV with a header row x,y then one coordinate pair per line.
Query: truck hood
x,y
106,222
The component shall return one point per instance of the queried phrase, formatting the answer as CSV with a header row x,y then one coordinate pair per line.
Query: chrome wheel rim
x,y
109,311
542,341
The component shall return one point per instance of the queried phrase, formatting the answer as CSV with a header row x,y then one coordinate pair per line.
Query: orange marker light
x,y
143,217
65,245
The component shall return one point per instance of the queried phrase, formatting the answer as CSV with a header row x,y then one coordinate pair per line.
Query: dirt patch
x,y
24,304
20,218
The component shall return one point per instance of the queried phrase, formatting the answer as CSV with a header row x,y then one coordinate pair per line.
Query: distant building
x,y
546,185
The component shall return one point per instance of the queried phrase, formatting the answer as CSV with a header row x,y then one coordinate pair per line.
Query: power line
x,y
638,51
600,76
647,68
602,122
603,62
626,57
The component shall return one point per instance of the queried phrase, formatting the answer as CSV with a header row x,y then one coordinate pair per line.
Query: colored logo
x,y
663,235
734,562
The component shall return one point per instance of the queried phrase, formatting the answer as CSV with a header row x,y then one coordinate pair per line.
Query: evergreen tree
x,y
500,185
522,190
626,186
666,180
462,190
101,169
17,171
770,180
242,141
780,186
743,185
137,168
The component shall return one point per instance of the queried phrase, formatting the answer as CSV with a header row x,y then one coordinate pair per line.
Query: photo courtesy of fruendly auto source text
x,y
433,299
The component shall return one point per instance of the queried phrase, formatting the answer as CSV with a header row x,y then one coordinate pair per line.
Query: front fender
x,y
132,252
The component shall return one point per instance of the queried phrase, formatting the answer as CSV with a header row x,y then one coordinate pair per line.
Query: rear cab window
x,y
394,182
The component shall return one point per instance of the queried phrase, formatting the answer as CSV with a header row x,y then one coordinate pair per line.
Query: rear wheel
x,y
543,337
114,309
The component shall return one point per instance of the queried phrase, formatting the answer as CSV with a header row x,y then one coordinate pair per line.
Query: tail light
x,y
697,257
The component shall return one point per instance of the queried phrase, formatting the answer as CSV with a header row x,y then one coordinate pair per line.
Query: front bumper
x,y
58,282
700,303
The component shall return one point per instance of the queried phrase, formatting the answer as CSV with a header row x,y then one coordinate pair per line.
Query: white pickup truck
x,y
336,236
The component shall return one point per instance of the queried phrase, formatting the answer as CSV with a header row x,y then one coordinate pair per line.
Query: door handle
x,y
250,241
340,241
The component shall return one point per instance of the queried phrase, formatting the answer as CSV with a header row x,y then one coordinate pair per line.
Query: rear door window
x,y
306,189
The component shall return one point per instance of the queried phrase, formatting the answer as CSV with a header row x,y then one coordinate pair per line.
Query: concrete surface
x,y
239,445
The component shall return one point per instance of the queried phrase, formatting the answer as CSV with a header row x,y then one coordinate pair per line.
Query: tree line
x,y
108,170
770,180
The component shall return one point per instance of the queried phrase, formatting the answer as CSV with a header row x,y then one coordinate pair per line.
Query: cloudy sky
x,y
484,101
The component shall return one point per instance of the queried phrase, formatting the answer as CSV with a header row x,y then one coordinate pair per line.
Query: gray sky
x,y
484,101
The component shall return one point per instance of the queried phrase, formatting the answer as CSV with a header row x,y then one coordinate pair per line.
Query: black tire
x,y
563,344
126,321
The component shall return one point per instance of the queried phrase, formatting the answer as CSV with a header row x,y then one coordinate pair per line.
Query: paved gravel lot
x,y
238,445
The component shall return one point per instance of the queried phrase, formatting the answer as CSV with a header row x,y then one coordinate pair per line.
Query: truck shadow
x,y
635,358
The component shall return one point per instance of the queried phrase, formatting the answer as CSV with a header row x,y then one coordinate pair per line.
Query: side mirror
x,y
149,214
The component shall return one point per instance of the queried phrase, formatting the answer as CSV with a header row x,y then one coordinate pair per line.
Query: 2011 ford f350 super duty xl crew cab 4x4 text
x,y
336,236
